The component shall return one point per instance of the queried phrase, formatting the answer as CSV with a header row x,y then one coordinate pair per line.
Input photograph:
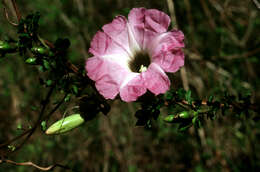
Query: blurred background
x,y
222,54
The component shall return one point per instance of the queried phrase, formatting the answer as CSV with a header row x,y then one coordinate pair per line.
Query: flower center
x,y
140,62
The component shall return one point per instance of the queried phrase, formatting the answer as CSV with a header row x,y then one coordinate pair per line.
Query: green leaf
x,y
39,50
67,98
188,97
44,126
49,82
31,60
46,64
11,147
75,89
210,99
169,118
184,126
65,124
19,127
185,114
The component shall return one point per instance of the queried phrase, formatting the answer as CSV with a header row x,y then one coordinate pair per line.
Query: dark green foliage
x,y
212,126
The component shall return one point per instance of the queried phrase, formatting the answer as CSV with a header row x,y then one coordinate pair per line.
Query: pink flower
x,y
131,56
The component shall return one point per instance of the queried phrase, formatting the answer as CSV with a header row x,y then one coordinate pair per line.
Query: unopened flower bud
x,y
6,47
169,118
31,60
39,50
184,114
65,124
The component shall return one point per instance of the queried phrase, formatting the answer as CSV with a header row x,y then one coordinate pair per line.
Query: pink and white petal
x,y
170,61
107,87
155,79
133,89
119,31
169,41
156,22
136,19
179,36
107,74
102,45
95,68
146,24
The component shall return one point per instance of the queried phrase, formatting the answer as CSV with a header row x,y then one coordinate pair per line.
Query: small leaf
x,y
65,124
46,64
188,97
67,98
169,118
75,89
19,127
184,114
44,126
31,60
210,98
184,126
39,50
49,82
11,147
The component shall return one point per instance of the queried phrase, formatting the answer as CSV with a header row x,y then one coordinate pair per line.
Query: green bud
x,y
49,82
184,114
46,64
65,124
11,147
43,124
6,47
169,118
31,60
39,50
194,120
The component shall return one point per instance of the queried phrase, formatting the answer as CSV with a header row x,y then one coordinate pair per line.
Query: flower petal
x,y
170,61
146,24
119,31
132,89
169,41
156,21
155,79
136,19
103,46
94,66
107,74
166,50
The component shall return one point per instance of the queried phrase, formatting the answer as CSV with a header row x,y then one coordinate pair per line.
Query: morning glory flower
x,y
131,56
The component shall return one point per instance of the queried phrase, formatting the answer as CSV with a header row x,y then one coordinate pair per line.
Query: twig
x,y
245,55
55,108
7,18
208,14
184,77
51,167
16,138
250,27
172,13
18,14
257,4
30,131
44,105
